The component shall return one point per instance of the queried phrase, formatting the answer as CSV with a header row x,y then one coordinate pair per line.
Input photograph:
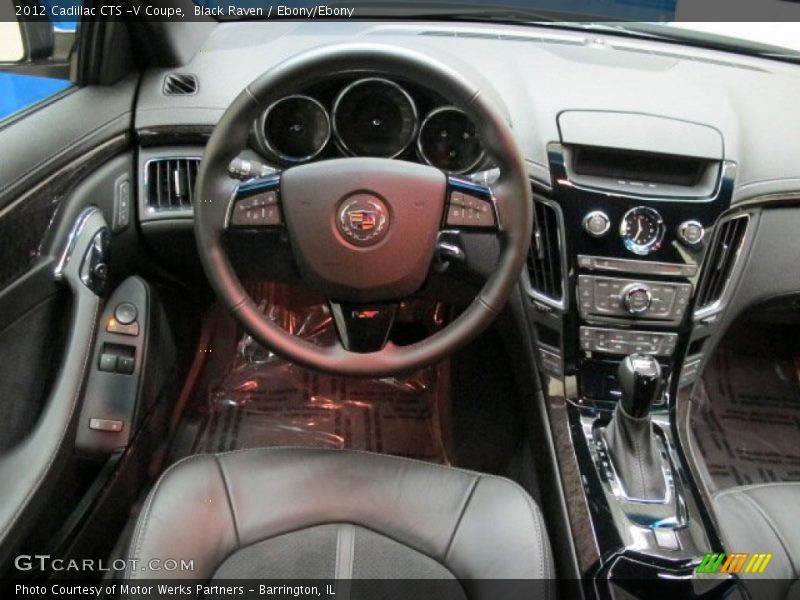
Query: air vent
x,y
544,260
170,183
720,261
180,84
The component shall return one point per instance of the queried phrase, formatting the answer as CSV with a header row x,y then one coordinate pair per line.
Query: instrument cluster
x,y
370,116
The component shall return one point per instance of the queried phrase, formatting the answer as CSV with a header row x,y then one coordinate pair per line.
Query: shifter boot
x,y
631,444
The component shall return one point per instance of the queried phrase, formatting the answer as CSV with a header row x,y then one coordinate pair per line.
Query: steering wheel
x,y
363,231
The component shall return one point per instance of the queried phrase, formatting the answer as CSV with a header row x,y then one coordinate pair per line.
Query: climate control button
x,y
636,298
596,223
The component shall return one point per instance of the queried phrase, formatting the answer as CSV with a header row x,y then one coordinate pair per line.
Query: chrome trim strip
x,y
72,240
639,267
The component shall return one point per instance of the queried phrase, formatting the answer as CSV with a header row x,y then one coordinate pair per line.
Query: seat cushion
x,y
764,519
330,514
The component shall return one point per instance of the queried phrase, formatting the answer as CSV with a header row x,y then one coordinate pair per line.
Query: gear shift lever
x,y
639,377
629,436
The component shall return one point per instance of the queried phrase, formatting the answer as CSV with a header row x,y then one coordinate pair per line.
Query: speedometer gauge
x,y
642,230
449,141
374,117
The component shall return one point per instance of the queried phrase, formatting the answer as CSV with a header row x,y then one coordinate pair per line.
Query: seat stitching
x,y
774,528
464,503
230,500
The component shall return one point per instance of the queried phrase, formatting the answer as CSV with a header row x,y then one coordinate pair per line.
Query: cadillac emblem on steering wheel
x,y
363,219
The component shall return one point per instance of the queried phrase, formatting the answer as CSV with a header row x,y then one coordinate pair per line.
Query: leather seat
x,y
289,513
764,519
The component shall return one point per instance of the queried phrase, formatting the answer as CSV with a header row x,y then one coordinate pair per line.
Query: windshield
x,y
681,21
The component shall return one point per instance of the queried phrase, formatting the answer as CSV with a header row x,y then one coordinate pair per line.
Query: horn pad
x,y
363,229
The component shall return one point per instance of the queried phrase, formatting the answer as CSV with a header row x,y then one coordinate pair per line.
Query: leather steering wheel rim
x,y
216,191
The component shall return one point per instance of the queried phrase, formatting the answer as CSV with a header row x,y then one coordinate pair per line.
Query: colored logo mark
x,y
734,563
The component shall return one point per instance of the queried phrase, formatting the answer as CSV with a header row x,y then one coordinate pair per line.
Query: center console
x,y
632,245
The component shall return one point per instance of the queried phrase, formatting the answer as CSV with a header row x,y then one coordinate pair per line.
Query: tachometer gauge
x,y
374,117
296,128
642,230
448,140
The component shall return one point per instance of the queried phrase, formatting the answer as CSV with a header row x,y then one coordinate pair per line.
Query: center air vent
x,y
544,260
180,84
720,261
169,183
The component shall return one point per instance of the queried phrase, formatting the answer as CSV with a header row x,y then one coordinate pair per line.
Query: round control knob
x,y
125,313
596,223
691,233
636,298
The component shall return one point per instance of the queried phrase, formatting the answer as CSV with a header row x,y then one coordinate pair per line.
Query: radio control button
x,y
691,233
596,223
637,298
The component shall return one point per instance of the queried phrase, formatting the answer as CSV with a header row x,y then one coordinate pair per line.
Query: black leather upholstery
x,y
231,512
764,518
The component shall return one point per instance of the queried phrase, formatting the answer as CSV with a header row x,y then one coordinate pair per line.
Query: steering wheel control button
x,y
108,425
596,223
363,219
260,210
125,313
691,233
637,298
466,210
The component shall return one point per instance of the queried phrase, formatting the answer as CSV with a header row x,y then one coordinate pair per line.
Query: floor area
x,y
278,404
746,422
253,398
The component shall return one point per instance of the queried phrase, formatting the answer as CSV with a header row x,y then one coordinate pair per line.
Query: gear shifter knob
x,y
640,380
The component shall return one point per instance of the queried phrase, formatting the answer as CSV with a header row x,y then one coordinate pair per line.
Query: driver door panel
x,y
55,163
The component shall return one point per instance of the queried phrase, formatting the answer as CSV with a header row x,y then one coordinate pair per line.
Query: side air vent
x,y
544,260
180,84
720,261
169,183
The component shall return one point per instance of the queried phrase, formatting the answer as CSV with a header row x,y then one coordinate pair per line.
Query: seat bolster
x,y
763,519
187,516
501,535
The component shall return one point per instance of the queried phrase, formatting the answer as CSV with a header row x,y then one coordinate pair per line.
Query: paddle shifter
x,y
629,436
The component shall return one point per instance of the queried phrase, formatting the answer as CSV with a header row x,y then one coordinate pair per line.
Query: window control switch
x,y
126,364
108,362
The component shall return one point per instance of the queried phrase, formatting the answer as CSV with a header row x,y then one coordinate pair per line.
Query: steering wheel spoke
x,y
257,205
470,207
363,327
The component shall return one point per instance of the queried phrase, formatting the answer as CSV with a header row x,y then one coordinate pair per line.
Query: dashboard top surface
x,y
534,75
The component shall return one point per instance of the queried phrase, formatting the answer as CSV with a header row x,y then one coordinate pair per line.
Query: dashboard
x,y
648,162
